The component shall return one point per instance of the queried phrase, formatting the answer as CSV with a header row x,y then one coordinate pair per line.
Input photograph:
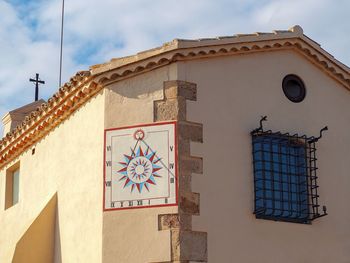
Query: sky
x,y
98,30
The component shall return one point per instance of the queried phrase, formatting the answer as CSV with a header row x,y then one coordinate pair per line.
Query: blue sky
x,y
96,31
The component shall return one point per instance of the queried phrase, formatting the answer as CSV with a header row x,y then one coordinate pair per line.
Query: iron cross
x,y
37,82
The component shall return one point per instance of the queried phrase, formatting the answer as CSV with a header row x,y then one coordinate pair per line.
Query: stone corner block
x,y
192,131
178,88
171,109
191,164
168,221
190,246
190,203
174,221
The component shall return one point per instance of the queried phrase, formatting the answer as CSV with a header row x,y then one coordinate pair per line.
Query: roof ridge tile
x,y
59,106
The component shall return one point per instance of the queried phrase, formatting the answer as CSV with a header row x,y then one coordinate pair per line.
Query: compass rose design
x,y
140,169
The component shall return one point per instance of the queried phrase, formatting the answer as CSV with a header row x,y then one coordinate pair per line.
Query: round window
x,y
293,88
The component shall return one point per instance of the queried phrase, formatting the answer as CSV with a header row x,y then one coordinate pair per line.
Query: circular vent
x,y
294,88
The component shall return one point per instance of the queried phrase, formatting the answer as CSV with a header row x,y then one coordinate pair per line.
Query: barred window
x,y
285,180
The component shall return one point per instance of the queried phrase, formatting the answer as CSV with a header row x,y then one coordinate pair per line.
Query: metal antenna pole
x,y
61,55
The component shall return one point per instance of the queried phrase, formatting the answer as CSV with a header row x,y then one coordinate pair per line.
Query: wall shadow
x,y
37,245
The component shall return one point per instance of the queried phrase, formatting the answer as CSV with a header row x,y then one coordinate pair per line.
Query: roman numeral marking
x,y
109,148
121,204
172,180
112,204
131,203
166,200
108,183
171,166
139,202
109,163
171,148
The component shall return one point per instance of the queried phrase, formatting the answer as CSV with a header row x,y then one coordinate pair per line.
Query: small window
x,y
12,186
294,88
285,180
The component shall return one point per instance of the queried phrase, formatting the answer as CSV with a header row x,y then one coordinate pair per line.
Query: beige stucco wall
x,y
132,235
233,92
69,161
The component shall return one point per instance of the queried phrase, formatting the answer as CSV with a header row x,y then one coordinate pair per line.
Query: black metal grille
x,y
285,178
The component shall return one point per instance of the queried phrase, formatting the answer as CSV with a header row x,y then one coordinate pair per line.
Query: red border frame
x,y
176,165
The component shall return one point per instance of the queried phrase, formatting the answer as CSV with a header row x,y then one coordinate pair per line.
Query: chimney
x,y
15,117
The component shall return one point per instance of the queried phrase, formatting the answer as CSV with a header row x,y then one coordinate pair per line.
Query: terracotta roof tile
x,y
85,84
293,38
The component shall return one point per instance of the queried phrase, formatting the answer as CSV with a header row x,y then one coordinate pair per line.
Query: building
x,y
164,156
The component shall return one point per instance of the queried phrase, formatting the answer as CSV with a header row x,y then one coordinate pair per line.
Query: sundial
x,y
140,168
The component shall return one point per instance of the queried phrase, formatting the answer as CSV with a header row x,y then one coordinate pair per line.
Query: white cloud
x,y
96,31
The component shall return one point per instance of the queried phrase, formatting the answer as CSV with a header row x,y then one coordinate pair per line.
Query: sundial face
x,y
140,166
